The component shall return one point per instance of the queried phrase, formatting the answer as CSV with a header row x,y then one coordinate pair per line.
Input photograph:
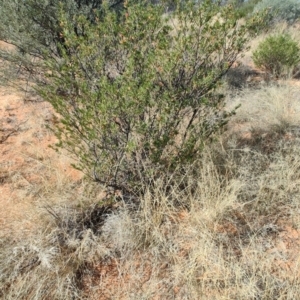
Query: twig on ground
x,y
11,132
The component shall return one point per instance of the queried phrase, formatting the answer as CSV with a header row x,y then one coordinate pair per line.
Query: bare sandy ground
x,y
28,166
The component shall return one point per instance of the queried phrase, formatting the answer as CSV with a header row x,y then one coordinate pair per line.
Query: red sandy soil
x,y
26,159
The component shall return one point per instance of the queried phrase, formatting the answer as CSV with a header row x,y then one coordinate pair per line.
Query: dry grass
x,y
217,239
222,237
275,106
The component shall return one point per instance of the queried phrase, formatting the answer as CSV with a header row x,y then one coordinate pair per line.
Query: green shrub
x,y
245,8
278,54
287,10
137,93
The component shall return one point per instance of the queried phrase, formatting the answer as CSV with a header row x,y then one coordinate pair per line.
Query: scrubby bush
x,y
287,10
136,91
277,54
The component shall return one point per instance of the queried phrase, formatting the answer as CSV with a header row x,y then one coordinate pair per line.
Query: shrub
x,y
277,54
136,88
245,8
287,10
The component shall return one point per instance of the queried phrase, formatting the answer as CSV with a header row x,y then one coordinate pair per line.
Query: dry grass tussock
x,y
270,107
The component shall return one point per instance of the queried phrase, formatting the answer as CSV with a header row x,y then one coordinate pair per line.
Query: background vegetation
x,y
279,55
281,10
